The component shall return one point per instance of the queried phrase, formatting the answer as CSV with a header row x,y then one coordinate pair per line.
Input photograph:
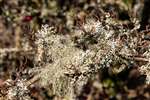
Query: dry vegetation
x,y
73,50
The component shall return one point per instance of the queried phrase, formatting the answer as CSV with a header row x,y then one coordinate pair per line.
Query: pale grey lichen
x,y
145,69
71,66
66,65
17,90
